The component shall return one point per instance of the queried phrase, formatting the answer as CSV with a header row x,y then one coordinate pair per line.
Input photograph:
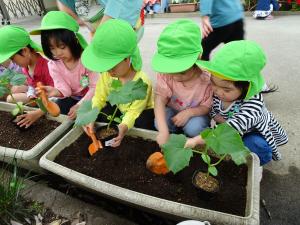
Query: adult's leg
x,y
209,43
257,144
146,120
196,125
235,31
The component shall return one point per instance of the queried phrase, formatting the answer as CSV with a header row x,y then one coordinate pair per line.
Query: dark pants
x,y
144,121
65,104
225,34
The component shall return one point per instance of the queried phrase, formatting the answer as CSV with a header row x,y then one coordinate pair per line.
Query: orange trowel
x,y
96,145
156,163
52,108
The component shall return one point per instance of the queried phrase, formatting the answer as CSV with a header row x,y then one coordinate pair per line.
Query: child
x,y
264,9
17,46
63,45
237,82
115,53
183,95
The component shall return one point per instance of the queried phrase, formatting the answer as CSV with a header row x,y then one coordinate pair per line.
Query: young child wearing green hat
x,y
63,45
114,52
183,94
17,46
237,82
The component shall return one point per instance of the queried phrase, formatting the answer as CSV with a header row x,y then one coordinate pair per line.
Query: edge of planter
x,y
6,152
152,203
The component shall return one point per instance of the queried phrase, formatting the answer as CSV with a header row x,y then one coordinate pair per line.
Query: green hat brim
x,y
98,64
8,55
38,31
163,64
207,65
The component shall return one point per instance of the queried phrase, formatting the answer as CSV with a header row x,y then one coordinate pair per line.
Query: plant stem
x,y
112,118
220,160
14,100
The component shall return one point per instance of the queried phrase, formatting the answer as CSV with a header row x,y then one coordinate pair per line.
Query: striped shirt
x,y
252,116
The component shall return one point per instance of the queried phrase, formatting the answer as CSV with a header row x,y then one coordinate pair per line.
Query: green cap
x,y
13,39
114,41
239,61
178,47
60,20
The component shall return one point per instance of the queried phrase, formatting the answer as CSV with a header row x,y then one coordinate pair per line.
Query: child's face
x,y
22,59
184,76
60,50
225,90
121,69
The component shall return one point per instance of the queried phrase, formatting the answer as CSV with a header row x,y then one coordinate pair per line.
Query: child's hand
x,y
193,142
73,112
29,118
122,131
88,127
181,118
219,119
162,138
50,91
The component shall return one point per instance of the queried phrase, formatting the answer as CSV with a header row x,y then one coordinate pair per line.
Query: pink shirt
x,y
68,81
40,73
180,97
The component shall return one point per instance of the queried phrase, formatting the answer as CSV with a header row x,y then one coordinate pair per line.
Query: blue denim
x,y
192,128
257,144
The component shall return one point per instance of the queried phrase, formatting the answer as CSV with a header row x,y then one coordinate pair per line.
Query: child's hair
x,y
61,35
21,50
244,85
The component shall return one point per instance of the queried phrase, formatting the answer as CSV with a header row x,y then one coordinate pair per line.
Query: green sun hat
x,y
178,47
239,61
114,41
60,20
13,39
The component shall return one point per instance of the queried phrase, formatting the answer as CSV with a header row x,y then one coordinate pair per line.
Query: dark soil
x,y
125,167
12,137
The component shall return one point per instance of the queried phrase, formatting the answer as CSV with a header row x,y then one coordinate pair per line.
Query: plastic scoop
x,y
156,163
51,107
93,147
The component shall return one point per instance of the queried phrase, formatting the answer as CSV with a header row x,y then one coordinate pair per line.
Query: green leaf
x,y
241,156
177,157
3,90
129,92
116,84
117,120
206,158
17,79
15,111
86,114
213,170
224,140
40,104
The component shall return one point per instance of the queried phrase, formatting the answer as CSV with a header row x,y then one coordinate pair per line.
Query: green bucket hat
x,y
60,20
114,41
178,47
13,39
239,61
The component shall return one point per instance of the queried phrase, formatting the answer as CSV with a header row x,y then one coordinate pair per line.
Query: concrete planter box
x,y
183,7
29,159
150,203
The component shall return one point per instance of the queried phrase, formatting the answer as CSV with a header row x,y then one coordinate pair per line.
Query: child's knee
x,y
195,126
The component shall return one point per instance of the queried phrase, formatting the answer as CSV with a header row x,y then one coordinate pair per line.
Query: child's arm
x,y
193,142
101,91
160,117
183,116
249,114
219,119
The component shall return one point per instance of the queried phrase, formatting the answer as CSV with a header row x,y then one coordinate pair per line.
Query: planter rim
x,y
43,144
155,203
